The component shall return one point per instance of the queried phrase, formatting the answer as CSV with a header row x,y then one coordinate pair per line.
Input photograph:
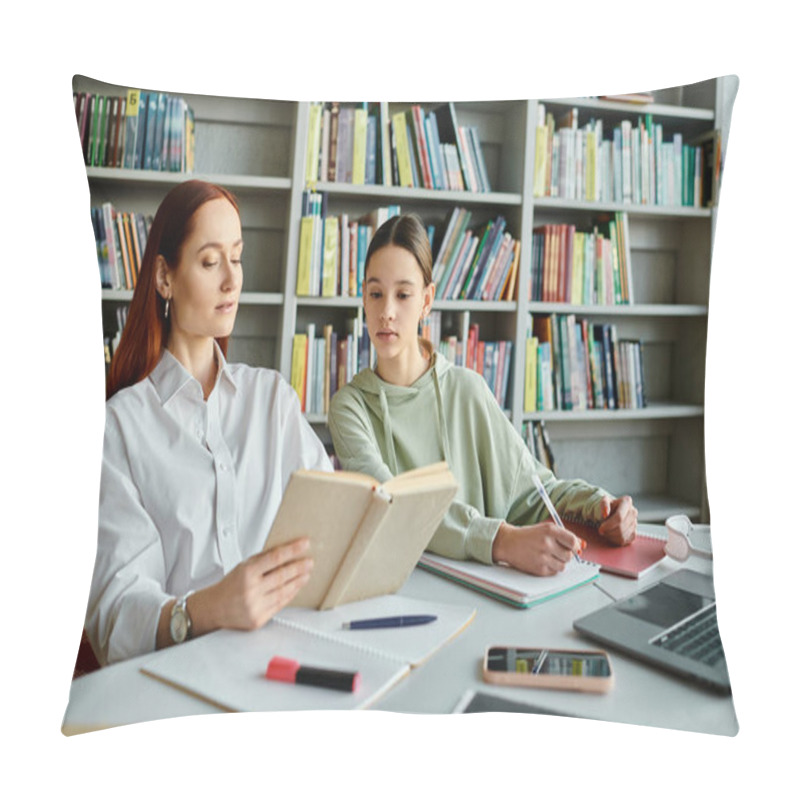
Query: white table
x,y
641,695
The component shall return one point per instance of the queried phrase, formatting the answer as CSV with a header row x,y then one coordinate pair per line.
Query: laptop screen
x,y
663,605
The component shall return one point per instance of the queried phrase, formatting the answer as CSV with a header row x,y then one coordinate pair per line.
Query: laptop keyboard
x,y
696,637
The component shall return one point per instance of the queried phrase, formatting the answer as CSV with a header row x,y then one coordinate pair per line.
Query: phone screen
x,y
547,662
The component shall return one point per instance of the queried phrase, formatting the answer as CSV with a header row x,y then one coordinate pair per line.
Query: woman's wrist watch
x,y
180,623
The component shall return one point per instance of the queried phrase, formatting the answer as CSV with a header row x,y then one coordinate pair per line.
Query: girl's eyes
x,y
400,296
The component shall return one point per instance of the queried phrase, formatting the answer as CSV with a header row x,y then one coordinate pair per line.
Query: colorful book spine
x,y
578,365
635,164
138,130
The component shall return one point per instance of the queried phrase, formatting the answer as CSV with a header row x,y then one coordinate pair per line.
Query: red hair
x,y
146,329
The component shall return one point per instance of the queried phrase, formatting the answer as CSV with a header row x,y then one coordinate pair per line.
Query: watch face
x,y
178,627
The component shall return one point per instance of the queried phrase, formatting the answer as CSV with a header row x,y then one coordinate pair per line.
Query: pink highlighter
x,y
290,671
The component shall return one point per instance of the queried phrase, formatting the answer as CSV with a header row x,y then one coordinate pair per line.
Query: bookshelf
x,y
257,148
248,146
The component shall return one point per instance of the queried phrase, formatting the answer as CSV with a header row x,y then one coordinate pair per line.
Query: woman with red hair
x,y
197,452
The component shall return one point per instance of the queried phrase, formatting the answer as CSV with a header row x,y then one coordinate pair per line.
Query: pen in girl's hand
x,y
551,508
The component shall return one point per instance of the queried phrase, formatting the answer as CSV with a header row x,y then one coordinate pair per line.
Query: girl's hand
x,y
541,549
619,520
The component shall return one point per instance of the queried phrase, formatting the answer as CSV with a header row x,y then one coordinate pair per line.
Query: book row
x,y
332,249
537,438
364,143
636,165
323,365
476,263
120,238
572,364
140,130
582,267
111,337
470,263
466,349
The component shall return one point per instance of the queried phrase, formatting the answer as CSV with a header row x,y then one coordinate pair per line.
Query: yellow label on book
x,y
132,103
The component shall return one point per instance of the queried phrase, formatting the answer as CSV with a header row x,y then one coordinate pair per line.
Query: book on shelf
x,y
464,348
333,248
635,164
367,143
590,267
120,239
537,439
138,130
321,365
470,266
507,584
366,536
227,667
112,331
581,365
639,98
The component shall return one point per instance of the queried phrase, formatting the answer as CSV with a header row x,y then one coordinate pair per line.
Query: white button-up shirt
x,y
188,489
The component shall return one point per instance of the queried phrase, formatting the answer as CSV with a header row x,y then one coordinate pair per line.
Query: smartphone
x,y
579,670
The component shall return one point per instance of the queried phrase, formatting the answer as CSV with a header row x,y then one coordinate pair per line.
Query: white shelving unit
x,y
257,149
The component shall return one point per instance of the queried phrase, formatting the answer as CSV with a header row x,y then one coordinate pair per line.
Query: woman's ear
x,y
162,276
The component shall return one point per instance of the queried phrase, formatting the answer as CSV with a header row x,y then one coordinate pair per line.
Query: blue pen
x,y
389,622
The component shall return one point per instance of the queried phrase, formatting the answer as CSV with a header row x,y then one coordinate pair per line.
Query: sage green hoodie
x,y
450,414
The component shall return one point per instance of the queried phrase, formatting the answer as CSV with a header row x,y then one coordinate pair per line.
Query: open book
x,y
227,668
366,537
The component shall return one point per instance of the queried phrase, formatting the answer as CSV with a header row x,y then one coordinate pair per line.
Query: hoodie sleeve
x,y
574,499
354,437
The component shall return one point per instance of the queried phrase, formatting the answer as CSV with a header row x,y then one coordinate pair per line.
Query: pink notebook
x,y
632,560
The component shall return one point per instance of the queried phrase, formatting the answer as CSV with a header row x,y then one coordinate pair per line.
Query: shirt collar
x,y
170,376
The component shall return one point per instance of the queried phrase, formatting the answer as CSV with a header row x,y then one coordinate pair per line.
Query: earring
x,y
166,308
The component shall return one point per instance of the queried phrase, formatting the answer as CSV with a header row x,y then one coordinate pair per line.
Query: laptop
x,y
671,624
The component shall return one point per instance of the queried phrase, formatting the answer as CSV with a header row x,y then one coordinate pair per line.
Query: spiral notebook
x,y
631,561
227,668
507,584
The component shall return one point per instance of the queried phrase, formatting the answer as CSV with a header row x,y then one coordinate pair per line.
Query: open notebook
x,y
508,584
227,668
